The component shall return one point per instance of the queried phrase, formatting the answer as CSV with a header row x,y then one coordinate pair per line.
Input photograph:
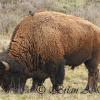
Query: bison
x,y
44,43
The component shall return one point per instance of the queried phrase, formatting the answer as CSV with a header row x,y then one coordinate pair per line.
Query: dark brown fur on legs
x,y
36,81
57,77
92,75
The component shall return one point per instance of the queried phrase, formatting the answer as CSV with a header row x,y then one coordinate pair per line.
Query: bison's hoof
x,y
33,88
58,89
90,90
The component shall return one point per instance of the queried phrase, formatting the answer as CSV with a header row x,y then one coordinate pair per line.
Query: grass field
x,y
76,79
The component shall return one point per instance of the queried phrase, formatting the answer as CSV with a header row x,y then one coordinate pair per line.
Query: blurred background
x,y
12,11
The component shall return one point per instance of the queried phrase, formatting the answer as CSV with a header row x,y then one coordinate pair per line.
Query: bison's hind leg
x,y
93,71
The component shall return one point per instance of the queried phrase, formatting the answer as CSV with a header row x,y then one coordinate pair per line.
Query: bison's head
x,y
12,76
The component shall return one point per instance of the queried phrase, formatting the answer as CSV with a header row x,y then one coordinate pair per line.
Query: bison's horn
x,y
7,67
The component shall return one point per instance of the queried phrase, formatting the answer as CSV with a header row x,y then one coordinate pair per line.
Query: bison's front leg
x,y
38,79
35,83
57,78
92,75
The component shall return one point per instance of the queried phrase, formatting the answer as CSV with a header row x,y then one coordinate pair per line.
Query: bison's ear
x,y
4,66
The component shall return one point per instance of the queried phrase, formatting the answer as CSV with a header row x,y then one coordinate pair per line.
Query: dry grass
x,y
4,42
11,11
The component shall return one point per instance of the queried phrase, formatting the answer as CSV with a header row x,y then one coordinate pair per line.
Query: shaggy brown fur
x,y
53,36
56,37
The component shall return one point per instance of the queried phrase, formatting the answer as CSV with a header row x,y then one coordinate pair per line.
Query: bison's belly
x,y
77,58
